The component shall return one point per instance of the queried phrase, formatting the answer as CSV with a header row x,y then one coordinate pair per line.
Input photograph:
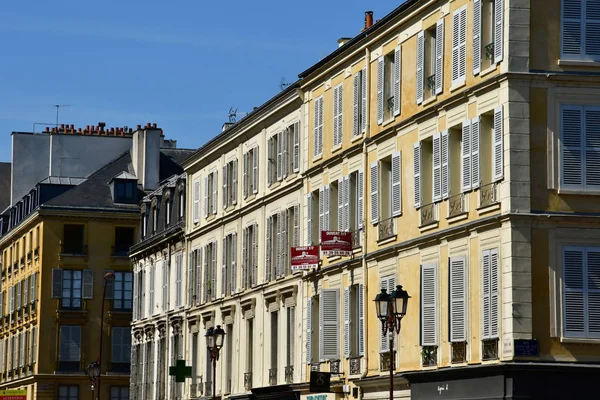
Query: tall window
x,y
230,184
313,208
123,240
229,273
388,85
282,233
360,102
210,193
210,271
274,346
168,211
119,393
249,346
490,321
250,176
338,116
290,337
354,321
250,256
70,347
154,219
487,34
72,239
580,39
71,289
68,392
121,348
123,291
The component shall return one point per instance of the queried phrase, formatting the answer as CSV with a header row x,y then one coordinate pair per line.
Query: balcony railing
x,y
273,376
193,390
289,374
456,205
356,238
228,386
315,367
490,349
459,352
248,381
390,103
335,367
431,83
429,214
489,51
29,254
488,195
384,361
73,250
386,229
22,261
429,356
355,366
208,389
36,252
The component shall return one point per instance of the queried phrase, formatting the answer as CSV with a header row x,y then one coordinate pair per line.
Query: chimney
x,y
368,19
343,41
227,125
145,155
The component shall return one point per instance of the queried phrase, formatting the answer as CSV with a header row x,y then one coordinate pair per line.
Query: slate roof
x,y
63,180
5,177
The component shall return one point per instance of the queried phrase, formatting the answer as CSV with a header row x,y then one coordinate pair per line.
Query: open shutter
x,y
361,319
206,195
476,37
329,314
269,249
190,278
572,28
336,121
33,288
225,186
396,184
286,158
279,156
18,306
437,167
271,159
466,156
374,192
498,156
420,66
224,268
215,194
459,42
593,292
255,170
198,274
57,283
245,172
494,315
439,56
309,238
245,233
233,262
445,165
458,306
234,185
417,173
347,322
485,286
498,36
463,44
360,197
88,284
363,93
327,205
196,210
397,79
25,292
346,226
318,130
356,105
380,84
340,114
309,330
296,241
475,177
254,253
340,204
213,272
321,213
386,283
428,305
296,160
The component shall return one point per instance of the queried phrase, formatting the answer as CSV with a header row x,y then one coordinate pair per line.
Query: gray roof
x,y
124,175
5,178
63,180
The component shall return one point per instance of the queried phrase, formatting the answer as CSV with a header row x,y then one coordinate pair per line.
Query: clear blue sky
x,y
181,64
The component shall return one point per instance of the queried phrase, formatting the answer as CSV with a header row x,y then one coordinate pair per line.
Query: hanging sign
x,y
336,243
13,394
306,257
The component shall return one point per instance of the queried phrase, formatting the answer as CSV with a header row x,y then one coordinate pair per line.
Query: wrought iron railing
x,y
431,83
459,352
36,252
390,103
355,366
335,367
273,376
385,361
356,238
428,214
22,261
489,51
488,195
386,228
29,254
228,386
315,367
208,388
193,390
490,349
456,205
429,356
289,374
248,381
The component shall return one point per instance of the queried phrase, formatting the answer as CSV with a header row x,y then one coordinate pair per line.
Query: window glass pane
x,y
120,190
129,190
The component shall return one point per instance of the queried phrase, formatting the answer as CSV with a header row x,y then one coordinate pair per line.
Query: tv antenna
x,y
283,84
58,106
233,114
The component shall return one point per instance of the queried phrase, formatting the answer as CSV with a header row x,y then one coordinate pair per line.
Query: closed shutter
x,y
445,166
321,212
246,167
420,66
269,247
340,204
234,182
439,56
498,156
318,131
296,160
57,283
255,170
380,87
206,196
215,191
278,245
233,262
347,204
196,210
329,324
360,198
245,234
417,173
26,292
225,186
224,268
466,156
485,285
309,330
18,305
213,272
254,253
459,40
33,289
489,276
428,305
593,292
458,305
309,230
190,278
476,37
347,322
388,283
361,319
198,274
494,274
374,192
396,184
337,114
285,248
296,241
463,45
356,105
397,79
437,167
475,177
572,28
592,147
498,36
363,112
285,150
571,145
279,166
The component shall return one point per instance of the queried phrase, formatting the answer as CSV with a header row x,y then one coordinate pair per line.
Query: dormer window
x,y
181,204
154,219
168,211
124,188
144,225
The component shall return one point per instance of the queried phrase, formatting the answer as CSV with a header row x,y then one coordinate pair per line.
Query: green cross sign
x,y
180,371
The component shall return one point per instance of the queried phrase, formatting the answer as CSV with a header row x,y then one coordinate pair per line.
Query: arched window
x,y
168,211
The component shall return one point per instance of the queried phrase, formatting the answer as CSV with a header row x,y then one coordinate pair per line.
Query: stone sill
x,y
579,63
579,340
488,70
490,208
429,101
459,217
429,227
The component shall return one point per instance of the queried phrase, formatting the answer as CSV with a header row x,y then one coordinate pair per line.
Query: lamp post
x,y
93,372
108,277
390,310
214,338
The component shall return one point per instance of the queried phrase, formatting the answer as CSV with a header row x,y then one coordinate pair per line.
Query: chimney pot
x,y
62,126
368,19
72,126
47,129
148,125
139,127
154,125
131,130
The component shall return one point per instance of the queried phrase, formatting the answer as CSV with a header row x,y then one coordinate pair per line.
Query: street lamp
x,y
93,372
108,277
214,339
391,308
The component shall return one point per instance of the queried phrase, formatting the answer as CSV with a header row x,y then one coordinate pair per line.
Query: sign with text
x,y
319,382
305,257
336,243
526,348
13,394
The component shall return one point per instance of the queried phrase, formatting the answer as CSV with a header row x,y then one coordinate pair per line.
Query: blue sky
x,y
181,64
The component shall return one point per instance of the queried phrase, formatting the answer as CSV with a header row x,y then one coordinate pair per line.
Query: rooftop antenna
x,y
58,106
283,84
233,114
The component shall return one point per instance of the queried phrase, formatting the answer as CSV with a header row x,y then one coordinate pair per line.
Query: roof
x,y
62,180
171,160
5,178
124,175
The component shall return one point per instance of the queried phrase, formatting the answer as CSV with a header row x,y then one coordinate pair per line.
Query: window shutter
x,y
245,172
279,244
196,210
34,346
234,182
285,242
25,292
269,247
215,188
437,168
233,263
494,313
206,210
255,170
572,28
456,51
279,155
254,253
318,130
356,105
179,261
458,299
225,186
321,213
476,37
486,295
340,204
88,284
445,166
498,161
593,292
397,79
417,172
165,286
198,274
1,308
33,289
329,314
387,283
296,160
340,115
309,330
18,306
213,273
151,305
309,238
463,45
374,192
347,322
420,66
245,258
347,204
336,110
380,84
190,278
361,320
363,92
396,184
57,283
224,268
498,37
466,156
285,146
439,56
428,305
571,146
360,201
11,299
475,178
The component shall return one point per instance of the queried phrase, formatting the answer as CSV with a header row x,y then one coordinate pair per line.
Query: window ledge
x,y
488,70
579,340
585,192
274,185
582,63
459,217
336,148
357,137
457,86
386,240
318,157
430,100
490,208
388,121
429,227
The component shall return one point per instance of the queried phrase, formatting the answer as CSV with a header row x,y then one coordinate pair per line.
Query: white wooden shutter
x,y
327,206
309,330
356,105
458,299
225,186
437,168
233,262
245,175
255,170
498,156
417,173
476,37
321,213
475,177
388,283
279,141
466,156
486,292
318,130
268,247
196,210
463,44
337,114
571,145
285,151
380,89
57,284
207,277
296,241
346,226
360,202
296,159
224,268
284,242
498,36
25,292
340,204
374,192
420,66
254,264
429,305
33,289
18,288
439,56
245,234
396,184
198,274
340,115
363,92
459,43
206,196
494,307
309,230
397,79
361,319
445,166
329,324
215,194
234,182
347,322
213,272
572,28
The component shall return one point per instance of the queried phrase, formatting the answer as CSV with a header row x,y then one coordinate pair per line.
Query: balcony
x,y
428,214
73,251
490,349
248,381
119,251
456,205
390,104
431,84
488,195
356,239
386,229
429,356
289,374
29,256
489,51
384,361
355,366
208,389
193,391
459,352
273,376
315,367
335,367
